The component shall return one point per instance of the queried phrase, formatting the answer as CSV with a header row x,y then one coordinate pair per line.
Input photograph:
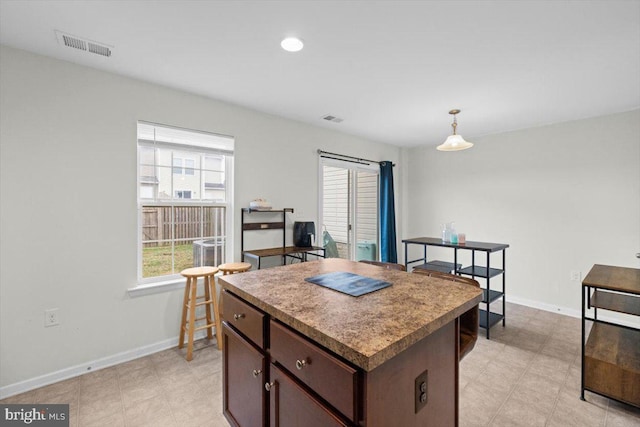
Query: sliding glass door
x,y
349,209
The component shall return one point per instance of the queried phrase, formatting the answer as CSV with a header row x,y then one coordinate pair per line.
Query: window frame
x,y
155,284
353,168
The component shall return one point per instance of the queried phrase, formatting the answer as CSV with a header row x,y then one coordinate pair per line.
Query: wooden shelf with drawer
x,y
611,352
283,251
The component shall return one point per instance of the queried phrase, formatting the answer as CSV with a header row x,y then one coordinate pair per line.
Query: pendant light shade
x,y
454,142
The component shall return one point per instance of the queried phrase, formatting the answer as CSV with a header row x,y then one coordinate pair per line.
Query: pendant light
x,y
292,44
454,142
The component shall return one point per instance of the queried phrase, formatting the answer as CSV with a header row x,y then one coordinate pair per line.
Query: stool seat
x,y
190,302
199,271
234,267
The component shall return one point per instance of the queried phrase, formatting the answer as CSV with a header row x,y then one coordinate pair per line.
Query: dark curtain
x,y
388,251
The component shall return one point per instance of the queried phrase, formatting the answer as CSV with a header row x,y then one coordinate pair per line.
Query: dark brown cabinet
x,y
293,406
275,376
244,401
251,383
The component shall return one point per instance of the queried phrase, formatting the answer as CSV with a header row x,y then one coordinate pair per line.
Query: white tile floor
x,y
528,374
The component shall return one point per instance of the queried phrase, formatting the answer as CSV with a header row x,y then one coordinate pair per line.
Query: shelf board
x,y
263,226
280,251
493,295
627,304
616,345
478,271
611,278
441,266
493,318
612,362
249,210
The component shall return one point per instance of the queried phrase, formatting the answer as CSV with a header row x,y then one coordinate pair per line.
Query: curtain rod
x,y
344,157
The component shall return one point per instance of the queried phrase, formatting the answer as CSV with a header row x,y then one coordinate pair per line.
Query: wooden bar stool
x,y
234,267
190,303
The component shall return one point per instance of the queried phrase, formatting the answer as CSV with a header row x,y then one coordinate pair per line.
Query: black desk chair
x,y
387,265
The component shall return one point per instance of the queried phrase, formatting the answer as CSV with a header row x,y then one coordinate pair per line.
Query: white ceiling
x,y
391,69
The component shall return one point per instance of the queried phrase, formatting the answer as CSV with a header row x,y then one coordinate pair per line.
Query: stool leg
x,y
183,324
207,297
192,316
216,313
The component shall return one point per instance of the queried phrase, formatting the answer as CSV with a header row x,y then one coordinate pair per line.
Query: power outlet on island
x,y
420,391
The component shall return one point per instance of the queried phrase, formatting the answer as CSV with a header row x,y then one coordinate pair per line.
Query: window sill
x,y
156,287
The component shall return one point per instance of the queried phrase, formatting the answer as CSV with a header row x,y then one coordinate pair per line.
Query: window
x,y
184,200
188,169
189,166
349,208
182,194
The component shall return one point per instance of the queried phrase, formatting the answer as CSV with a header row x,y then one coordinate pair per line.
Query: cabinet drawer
x,y
333,380
246,319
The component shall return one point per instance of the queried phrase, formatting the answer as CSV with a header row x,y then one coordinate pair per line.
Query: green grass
x,y
156,261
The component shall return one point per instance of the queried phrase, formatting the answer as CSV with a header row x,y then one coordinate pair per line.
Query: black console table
x,y
488,318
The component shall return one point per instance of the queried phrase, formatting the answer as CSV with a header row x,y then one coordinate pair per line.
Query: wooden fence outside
x,y
161,224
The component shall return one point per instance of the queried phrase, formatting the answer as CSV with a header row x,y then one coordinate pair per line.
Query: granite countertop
x,y
366,330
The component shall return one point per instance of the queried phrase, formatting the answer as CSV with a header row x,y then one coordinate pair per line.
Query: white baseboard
x,y
544,306
626,320
105,362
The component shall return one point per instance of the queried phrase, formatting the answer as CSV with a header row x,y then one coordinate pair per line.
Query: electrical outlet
x,y
51,317
575,276
420,391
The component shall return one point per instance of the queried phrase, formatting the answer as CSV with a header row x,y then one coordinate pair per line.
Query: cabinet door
x,y
244,399
293,406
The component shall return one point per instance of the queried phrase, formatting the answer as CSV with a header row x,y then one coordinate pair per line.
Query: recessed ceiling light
x,y
292,44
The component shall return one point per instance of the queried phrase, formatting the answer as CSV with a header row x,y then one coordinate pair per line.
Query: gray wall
x,y
564,196
68,205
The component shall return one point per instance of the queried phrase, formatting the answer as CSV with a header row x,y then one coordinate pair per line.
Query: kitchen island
x,y
299,354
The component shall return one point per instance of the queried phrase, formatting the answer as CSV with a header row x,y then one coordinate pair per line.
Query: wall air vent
x,y
83,44
74,42
331,118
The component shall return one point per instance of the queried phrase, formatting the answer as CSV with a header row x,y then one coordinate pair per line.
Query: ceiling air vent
x,y
331,118
83,44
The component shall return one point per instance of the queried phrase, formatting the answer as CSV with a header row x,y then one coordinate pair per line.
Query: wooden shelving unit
x,y
611,352
283,251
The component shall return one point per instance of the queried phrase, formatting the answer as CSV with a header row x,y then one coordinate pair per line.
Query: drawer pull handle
x,y
301,364
269,386
256,372
238,316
